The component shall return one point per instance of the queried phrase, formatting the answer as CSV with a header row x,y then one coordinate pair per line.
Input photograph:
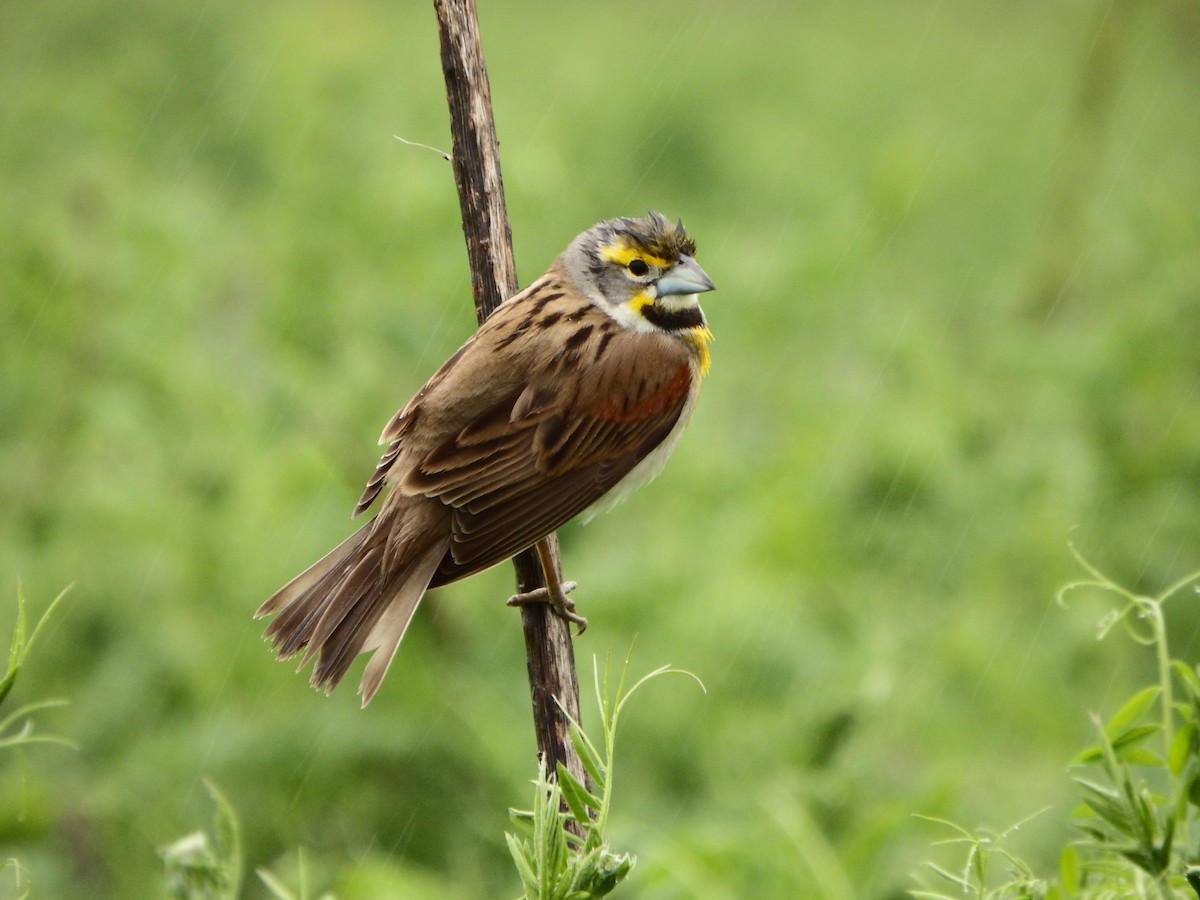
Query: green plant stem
x,y
1154,610
1166,679
1163,657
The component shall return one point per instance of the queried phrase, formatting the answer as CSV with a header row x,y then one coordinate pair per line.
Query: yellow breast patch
x,y
699,338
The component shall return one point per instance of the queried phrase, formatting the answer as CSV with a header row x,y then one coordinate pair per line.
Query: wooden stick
x,y
476,158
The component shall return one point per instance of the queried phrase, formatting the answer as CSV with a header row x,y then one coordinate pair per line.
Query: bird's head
x,y
640,271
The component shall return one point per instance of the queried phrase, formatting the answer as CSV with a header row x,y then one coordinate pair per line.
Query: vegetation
x,y
1139,786
564,855
220,274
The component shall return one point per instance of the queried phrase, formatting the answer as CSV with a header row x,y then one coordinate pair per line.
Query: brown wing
x,y
475,376
391,432
551,448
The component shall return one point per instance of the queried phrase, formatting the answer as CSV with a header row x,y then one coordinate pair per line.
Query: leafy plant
x,y
555,862
1141,797
16,729
985,849
209,865
203,865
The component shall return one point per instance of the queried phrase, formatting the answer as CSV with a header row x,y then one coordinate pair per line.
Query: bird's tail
x,y
358,597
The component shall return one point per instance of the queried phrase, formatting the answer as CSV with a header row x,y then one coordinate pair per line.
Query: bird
x,y
570,395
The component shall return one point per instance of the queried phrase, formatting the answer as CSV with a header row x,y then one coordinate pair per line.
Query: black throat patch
x,y
673,319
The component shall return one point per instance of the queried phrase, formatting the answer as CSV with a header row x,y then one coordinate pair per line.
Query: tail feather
x,y
358,597
389,629
303,601
363,577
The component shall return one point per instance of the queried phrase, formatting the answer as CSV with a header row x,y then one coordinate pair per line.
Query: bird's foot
x,y
563,605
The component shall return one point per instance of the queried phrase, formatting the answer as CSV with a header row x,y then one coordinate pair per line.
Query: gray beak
x,y
685,277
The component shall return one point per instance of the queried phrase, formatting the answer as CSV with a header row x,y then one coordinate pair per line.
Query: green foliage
x,y
986,851
207,865
21,643
564,856
1139,810
17,726
553,864
220,275
281,892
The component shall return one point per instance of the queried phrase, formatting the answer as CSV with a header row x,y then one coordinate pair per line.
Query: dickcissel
x,y
572,393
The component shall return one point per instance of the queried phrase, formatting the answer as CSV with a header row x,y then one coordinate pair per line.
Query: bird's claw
x,y
563,605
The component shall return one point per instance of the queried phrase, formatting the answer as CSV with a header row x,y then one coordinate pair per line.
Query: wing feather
x,y
508,488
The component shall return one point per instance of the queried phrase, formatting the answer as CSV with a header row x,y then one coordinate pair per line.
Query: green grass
x,y
220,275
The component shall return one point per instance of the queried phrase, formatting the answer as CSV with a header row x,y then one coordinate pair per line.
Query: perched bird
x,y
572,393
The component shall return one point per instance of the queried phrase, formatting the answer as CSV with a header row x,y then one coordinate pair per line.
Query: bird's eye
x,y
638,267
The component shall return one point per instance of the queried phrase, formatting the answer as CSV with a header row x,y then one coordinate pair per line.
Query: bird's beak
x,y
685,277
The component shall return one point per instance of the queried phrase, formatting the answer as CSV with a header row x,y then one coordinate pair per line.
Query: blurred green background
x,y
957,252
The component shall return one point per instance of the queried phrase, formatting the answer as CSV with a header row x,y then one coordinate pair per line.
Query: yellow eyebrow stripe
x,y
624,253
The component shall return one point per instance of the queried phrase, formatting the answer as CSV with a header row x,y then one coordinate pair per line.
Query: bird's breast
x,y
652,463
648,405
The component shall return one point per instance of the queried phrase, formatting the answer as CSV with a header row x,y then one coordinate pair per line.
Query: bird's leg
x,y
555,592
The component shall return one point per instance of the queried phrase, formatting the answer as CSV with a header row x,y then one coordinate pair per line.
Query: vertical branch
x,y
476,155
